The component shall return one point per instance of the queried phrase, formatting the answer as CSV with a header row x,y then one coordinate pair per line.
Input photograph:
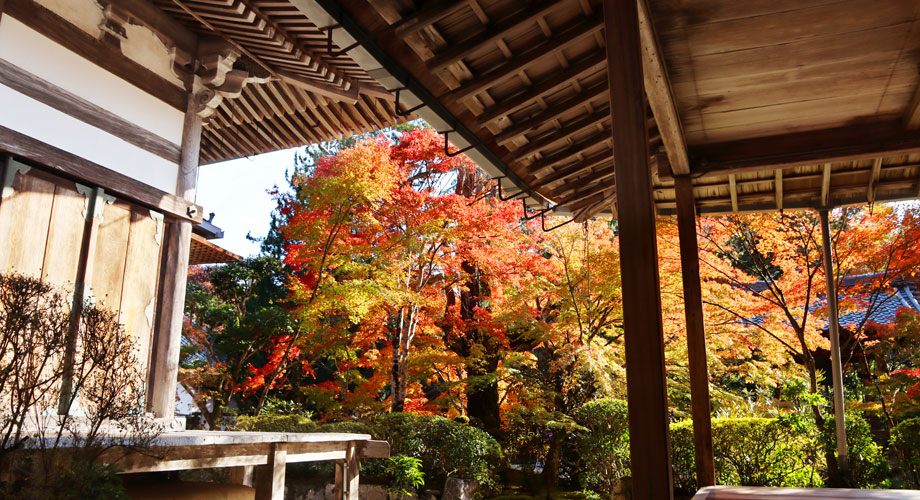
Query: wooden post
x,y
269,478
172,291
352,470
833,325
339,480
242,474
696,334
645,373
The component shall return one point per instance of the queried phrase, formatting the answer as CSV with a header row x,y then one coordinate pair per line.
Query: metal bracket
x,y
534,216
408,111
11,168
557,226
498,180
158,235
458,152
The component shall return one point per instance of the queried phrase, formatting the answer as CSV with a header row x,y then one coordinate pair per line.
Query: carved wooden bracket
x,y
216,72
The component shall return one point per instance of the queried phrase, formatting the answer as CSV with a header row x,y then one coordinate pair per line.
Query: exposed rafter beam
x,y
539,166
584,66
567,131
660,96
551,113
490,35
515,64
856,142
599,160
432,12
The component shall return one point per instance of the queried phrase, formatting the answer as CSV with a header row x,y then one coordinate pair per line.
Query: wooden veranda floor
x,y
753,493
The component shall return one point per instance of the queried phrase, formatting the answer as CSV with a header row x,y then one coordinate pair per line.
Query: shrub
x,y
748,452
603,448
405,475
446,448
868,463
906,439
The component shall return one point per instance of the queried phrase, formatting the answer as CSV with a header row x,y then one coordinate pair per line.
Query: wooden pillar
x,y
347,474
172,291
269,478
833,325
242,474
696,334
645,373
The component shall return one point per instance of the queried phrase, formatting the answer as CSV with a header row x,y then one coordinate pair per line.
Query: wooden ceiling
x,y
738,93
766,105
313,95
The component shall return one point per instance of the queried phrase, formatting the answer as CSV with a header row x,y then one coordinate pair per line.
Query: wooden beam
x,y
855,142
172,288
825,184
51,95
566,132
696,333
647,395
873,180
490,35
107,56
507,106
429,14
833,323
80,169
551,113
559,42
733,192
333,92
594,186
778,188
660,96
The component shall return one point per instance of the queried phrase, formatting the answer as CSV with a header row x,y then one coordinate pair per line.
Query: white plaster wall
x,y
28,49
35,119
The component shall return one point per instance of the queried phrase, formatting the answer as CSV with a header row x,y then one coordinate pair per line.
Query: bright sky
x,y
237,192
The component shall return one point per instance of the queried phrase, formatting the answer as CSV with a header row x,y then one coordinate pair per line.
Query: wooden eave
x,y
202,251
767,106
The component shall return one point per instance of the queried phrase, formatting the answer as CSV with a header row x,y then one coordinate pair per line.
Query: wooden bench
x,y
758,493
257,459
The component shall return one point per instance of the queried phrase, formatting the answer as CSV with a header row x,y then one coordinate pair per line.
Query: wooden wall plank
x,y
108,271
25,214
138,300
65,236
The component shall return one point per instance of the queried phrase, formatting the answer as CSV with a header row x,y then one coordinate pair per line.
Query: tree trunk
x,y
482,398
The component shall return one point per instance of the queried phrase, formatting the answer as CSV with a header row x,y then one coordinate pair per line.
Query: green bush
x,y
748,452
602,449
868,463
275,423
405,475
905,437
446,448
